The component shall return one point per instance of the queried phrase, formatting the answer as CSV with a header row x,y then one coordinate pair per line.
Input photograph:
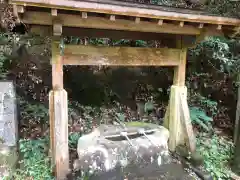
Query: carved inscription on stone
x,y
8,114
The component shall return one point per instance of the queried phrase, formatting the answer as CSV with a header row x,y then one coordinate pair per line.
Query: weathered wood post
x,y
177,118
58,112
175,128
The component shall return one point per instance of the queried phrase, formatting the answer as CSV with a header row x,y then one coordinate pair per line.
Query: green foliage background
x,y
94,91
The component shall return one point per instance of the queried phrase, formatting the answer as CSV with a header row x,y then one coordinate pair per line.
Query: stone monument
x,y
8,127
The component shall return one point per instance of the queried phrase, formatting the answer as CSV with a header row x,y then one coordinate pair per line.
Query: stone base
x,y
8,160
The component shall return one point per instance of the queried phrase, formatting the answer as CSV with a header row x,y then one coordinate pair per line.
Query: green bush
x,y
200,118
35,163
217,152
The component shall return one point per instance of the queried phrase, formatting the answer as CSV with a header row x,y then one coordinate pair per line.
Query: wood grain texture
x,y
164,40
166,118
51,122
57,67
68,20
120,56
180,71
175,128
128,11
186,120
59,132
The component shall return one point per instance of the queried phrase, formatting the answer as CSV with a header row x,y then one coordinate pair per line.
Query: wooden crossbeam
x,y
120,56
70,20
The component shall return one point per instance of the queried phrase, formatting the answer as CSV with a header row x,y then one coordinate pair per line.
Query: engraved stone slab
x,y
8,128
8,114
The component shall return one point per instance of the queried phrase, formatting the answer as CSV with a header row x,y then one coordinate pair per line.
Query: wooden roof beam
x,y
132,11
43,18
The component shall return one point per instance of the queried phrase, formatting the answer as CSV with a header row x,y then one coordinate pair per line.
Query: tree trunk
x,y
237,129
236,160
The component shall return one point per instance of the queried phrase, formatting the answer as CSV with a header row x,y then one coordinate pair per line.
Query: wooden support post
x,y
174,119
166,118
58,112
186,120
179,80
180,71
177,118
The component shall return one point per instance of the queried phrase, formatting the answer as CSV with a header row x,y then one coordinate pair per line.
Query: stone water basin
x,y
107,147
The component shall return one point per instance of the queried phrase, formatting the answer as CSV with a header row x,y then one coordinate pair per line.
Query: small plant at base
x,y
200,118
217,152
35,164
73,139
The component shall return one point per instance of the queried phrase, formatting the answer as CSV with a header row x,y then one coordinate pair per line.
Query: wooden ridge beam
x,y
108,8
120,56
42,18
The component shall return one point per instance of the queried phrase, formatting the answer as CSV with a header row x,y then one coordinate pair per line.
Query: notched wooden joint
x,y
201,26
160,22
181,24
57,29
112,18
84,15
137,20
236,32
54,12
20,9
219,27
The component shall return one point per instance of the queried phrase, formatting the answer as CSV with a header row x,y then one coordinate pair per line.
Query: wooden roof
x,y
122,16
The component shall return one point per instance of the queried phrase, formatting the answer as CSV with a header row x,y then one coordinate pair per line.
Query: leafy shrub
x,y
216,151
35,164
33,112
73,139
221,53
205,104
200,118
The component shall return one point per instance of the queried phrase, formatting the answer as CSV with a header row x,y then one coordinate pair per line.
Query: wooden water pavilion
x,y
176,29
